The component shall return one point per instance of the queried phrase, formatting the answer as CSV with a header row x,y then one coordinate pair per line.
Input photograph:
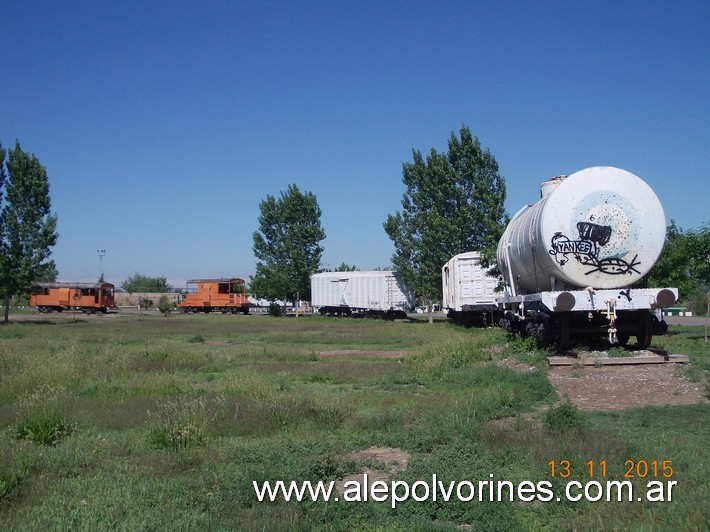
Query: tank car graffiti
x,y
586,250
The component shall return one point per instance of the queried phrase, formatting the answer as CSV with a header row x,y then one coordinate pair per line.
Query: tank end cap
x,y
665,298
565,302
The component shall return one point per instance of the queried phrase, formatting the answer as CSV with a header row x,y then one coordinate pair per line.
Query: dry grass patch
x,y
365,354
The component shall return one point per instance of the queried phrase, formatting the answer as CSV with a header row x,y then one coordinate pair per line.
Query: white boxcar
x,y
348,292
469,293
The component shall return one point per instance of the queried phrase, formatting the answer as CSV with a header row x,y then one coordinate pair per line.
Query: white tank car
x,y
578,251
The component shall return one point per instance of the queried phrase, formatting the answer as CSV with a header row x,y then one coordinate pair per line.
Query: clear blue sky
x,y
163,124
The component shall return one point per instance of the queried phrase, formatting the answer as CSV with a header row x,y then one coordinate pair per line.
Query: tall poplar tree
x,y
287,245
454,202
28,227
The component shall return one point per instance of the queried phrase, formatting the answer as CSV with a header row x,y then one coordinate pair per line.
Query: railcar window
x,y
223,288
237,288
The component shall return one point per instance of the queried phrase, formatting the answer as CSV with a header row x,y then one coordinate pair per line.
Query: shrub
x,y
165,306
275,310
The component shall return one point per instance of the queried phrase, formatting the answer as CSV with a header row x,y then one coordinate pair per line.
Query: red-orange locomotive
x,y
224,295
87,297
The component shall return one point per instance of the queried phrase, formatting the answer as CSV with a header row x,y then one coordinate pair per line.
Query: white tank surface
x,y
601,227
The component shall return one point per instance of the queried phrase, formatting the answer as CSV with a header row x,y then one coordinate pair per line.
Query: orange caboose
x,y
224,295
87,297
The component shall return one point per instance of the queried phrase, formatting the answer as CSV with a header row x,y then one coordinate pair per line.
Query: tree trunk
x,y
707,316
431,311
7,309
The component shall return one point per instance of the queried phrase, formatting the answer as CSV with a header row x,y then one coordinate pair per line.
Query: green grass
x,y
137,421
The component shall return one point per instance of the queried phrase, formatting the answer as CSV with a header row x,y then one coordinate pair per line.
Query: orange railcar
x,y
87,297
228,296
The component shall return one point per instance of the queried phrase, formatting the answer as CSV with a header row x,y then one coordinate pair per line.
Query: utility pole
x,y
101,253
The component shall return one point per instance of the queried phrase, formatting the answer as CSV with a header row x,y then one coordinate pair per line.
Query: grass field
x,y
144,422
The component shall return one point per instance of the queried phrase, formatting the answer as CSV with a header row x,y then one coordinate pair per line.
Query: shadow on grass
x,y
67,320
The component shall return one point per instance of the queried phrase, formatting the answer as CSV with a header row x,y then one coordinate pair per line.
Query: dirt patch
x,y
620,387
217,342
394,460
366,354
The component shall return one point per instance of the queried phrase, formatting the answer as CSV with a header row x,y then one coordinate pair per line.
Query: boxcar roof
x,y
224,280
75,285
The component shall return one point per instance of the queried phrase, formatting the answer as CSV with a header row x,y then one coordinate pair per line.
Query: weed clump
x,y
42,416
564,418
8,483
179,424
617,352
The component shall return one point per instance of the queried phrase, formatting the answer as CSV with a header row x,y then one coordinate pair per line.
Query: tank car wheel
x,y
644,333
563,331
622,338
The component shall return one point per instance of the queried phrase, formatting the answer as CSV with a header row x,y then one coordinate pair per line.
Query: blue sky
x,y
162,125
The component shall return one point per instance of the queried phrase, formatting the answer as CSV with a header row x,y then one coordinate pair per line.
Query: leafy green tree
x,y
3,176
699,254
27,225
684,262
454,202
671,268
143,283
287,245
346,268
